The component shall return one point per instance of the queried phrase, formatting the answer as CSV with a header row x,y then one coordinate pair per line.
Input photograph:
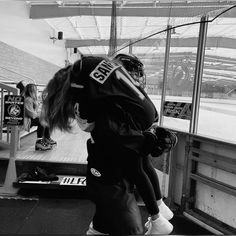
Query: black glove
x,y
159,140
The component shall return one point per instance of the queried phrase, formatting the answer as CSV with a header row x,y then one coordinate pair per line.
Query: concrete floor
x,y
47,212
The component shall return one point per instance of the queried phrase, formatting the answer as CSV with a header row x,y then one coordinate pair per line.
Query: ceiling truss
x,y
175,42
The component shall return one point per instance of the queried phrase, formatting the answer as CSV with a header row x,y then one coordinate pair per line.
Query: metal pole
x,y
130,47
198,74
8,188
113,31
163,95
166,63
11,177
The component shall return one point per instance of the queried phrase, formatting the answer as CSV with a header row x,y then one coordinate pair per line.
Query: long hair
x,y
58,107
30,91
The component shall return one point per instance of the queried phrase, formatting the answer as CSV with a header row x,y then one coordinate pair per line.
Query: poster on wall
x,y
181,110
13,110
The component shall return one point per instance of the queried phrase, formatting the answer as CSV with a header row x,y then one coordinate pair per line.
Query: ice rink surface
x,y
217,118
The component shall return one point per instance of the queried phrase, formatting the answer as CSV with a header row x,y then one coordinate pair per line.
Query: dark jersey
x,y
121,110
105,84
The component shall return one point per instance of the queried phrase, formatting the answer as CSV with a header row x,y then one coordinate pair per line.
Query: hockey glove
x,y
160,140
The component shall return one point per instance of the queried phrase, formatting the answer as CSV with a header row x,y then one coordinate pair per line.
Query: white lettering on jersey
x,y
103,70
127,81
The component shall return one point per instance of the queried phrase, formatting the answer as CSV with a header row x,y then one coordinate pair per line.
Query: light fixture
x,y
60,35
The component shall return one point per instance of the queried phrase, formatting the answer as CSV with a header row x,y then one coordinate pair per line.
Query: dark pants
x,y
41,130
117,212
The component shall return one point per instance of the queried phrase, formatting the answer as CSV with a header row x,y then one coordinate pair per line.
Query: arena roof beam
x,y
175,42
174,9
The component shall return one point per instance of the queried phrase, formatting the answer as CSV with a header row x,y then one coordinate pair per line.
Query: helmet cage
x,y
134,67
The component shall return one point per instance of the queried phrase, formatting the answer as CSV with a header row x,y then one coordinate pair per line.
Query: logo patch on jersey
x,y
95,172
103,70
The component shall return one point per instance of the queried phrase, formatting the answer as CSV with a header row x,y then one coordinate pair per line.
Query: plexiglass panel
x,y
217,115
180,77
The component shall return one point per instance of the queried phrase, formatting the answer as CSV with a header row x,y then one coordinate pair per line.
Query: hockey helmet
x,y
133,65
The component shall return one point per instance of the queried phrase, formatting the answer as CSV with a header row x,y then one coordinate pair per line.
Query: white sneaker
x,y
159,226
92,231
165,211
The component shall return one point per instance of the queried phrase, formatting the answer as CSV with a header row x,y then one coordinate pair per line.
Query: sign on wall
x,y
181,110
13,110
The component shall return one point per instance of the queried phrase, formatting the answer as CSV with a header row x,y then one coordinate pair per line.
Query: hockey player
x,y
106,101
